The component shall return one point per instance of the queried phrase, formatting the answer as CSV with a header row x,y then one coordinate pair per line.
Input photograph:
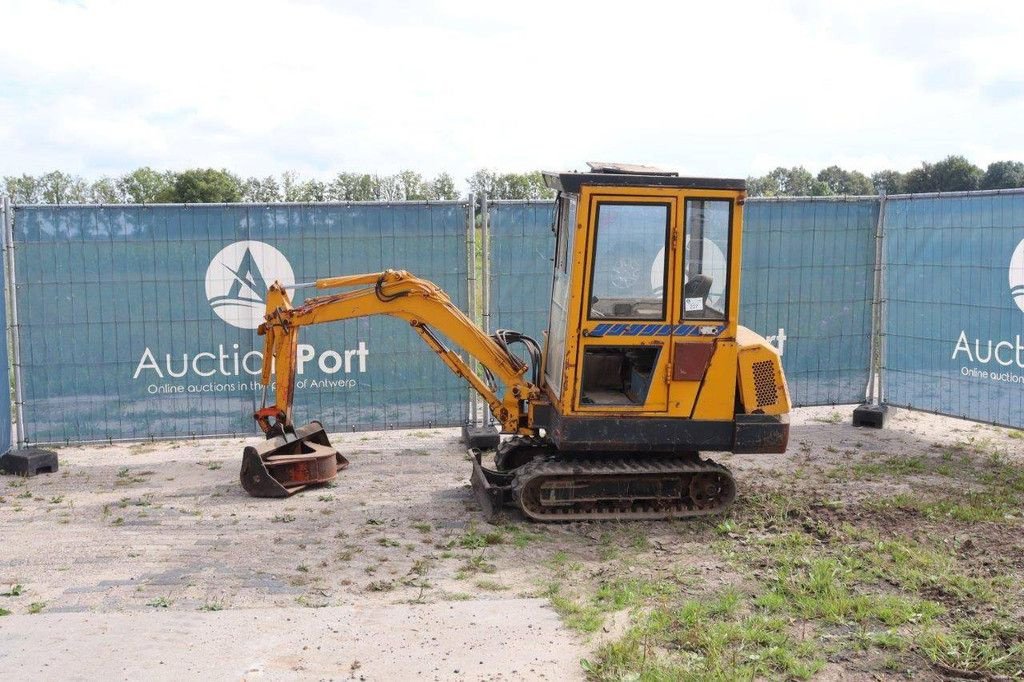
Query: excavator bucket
x,y
289,461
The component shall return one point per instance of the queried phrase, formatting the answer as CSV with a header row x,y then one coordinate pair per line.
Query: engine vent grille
x,y
764,383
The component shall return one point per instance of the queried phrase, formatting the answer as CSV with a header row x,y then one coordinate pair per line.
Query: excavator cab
x,y
643,350
643,365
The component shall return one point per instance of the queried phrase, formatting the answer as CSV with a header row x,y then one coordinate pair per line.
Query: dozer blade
x,y
285,464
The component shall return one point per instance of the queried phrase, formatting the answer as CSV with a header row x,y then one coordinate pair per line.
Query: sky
x,y
100,87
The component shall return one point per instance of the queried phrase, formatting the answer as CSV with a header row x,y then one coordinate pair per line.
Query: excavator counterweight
x,y
643,366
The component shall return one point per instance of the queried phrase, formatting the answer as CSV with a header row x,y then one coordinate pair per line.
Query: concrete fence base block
x,y
872,416
29,462
480,437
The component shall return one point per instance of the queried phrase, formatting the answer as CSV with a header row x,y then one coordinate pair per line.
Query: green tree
x,y
312,190
58,187
146,186
789,182
509,185
849,183
104,191
206,186
259,191
441,188
888,182
952,174
411,185
23,189
1003,175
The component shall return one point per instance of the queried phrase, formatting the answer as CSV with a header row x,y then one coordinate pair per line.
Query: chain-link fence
x,y
954,308
139,321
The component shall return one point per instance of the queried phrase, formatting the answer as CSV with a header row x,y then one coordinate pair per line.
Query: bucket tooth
x,y
284,464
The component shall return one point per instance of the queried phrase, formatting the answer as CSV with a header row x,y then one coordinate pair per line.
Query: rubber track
x,y
534,474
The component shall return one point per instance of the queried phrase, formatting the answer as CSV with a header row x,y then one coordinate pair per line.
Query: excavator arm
x,y
399,294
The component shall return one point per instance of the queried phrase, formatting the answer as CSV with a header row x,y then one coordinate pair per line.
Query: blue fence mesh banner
x,y
807,286
522,249
139,321
5,402
954,315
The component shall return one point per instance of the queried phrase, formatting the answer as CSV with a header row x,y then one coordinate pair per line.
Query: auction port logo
x,y
237,280
1017,275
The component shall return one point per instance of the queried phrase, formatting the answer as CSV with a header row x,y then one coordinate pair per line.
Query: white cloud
x,y
732,89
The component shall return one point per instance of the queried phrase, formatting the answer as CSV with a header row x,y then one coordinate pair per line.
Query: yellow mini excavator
x,y
643,364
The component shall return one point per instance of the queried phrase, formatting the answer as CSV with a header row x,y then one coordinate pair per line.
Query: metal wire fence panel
x,y
139,321
807,286
5,403
954,314
522,249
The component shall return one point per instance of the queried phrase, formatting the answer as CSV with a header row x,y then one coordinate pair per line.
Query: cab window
x,y
706,259
627,280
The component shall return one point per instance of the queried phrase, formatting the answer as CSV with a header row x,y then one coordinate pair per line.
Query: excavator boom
x,y
294,460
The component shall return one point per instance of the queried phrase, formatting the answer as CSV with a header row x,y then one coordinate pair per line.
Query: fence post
x,y
12,324
872,412
485,225
471,281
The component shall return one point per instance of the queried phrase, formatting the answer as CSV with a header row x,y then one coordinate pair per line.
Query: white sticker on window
x,y
694,304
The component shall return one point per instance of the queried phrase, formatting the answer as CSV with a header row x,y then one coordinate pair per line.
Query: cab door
x,y
627,304
702,372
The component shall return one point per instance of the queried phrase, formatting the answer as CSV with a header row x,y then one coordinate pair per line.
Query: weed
x,y
282,518
159,602
36,607
325,498
15,591
212,606
423,527
302,568
492,586
381,586
388,542
4,612
476,540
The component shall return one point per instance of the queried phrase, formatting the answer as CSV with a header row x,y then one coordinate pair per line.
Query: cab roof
x,y
630,175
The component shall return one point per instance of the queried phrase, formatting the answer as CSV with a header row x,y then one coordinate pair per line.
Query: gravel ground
x,y
127,538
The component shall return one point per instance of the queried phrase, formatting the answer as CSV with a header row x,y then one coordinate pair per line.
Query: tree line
x,y
952,174
211,185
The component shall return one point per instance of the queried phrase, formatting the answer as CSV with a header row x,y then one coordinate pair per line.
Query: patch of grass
x,y
159,602
4,612
381,586
625,593
833,417
212,606
36,607
978,648
388,542
423,527
698,640
302,568
477,564
282,518
578,616
214,466
325,498
473,539
1016,435
492,586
